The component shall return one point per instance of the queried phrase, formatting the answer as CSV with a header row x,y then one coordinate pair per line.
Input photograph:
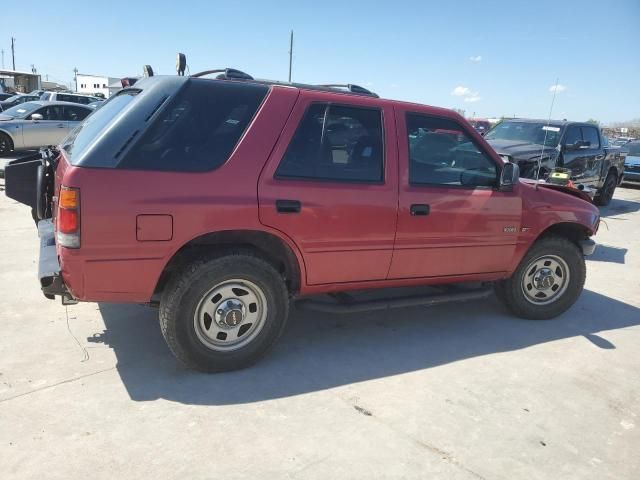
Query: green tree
x,y
594,121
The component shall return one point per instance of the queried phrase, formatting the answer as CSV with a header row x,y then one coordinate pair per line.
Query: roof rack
x,y
225,74
351,88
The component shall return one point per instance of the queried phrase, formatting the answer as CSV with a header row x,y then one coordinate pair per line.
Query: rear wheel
x,y
606,192
547,282
224,313
6,144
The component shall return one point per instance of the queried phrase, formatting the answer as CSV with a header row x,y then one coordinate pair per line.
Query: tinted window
x,y
336,142
51,112
573,136
590,134
441,153
46,96
75,114
82,136
198,129
634,149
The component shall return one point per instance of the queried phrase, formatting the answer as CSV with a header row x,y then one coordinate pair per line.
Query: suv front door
x,y
452,220
331,186
575,156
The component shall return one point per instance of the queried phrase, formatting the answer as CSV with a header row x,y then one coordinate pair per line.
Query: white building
x,y
92,84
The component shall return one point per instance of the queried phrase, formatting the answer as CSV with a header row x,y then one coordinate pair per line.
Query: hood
x,y
632,161
519,150
561,188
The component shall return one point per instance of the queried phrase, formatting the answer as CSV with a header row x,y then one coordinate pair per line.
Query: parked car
x,y
5,96
632,162
69,97
37,93
95,105
538,145
221,200
37,124
16,100
482,126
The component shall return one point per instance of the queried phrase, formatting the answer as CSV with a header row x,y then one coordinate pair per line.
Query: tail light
x,y
68,219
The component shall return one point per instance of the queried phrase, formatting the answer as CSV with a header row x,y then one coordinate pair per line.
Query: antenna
x,y
290,54
546,130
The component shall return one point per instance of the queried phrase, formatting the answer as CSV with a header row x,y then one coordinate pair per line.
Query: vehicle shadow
x,y
607,253
321,351
619,206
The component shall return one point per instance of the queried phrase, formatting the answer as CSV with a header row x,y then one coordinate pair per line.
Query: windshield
x,y
13,99
634,149
83,135
22,110
526,132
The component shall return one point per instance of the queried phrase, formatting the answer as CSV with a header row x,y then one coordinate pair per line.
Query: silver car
x,y
37,124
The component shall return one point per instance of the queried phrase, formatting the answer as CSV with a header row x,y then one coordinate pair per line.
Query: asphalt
x,y
463,391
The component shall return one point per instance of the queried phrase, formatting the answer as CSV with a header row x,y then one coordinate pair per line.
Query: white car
x,y
37,124
70,97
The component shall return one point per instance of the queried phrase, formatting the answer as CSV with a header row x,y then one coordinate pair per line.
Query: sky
x,y
490,58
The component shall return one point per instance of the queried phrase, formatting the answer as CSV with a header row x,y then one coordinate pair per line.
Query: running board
x,y
346,303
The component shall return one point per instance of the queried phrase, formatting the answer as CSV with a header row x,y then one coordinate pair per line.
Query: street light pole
x,y
13,53
75,77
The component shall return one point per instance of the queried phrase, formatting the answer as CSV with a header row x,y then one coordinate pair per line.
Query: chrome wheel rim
x,y
545,280
230,315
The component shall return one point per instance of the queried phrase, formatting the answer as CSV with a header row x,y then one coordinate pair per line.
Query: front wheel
x,y
6,144
224,313
547,282
604,196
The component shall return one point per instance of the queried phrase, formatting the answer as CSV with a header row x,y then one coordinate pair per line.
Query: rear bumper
x,y
588,247
48,265
629,176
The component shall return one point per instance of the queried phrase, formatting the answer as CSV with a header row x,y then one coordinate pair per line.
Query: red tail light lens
x,y
68,219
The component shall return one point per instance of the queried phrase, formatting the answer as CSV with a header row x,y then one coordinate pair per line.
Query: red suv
x,y
223,199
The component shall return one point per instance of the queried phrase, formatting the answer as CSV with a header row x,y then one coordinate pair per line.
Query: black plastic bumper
x,y
48,265
588,247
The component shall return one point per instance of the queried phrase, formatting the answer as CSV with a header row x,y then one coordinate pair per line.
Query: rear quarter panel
x,y
112,264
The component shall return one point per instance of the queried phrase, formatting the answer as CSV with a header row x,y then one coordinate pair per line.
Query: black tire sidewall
x,y
604,198
511,290
10,145
188,293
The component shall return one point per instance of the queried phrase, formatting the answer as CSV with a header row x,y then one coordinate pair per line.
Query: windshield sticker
x,y
551,129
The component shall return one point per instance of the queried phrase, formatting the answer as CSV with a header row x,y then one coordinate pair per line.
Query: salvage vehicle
x,y
37,124
632,162
539,146
222,200
70,97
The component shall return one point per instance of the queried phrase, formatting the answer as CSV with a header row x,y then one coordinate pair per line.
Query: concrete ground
x,y
454,392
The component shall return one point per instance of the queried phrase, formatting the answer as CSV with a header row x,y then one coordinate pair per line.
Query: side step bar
x,y
347,304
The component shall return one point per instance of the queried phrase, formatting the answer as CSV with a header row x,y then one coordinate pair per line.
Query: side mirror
x,y
509,176
36,117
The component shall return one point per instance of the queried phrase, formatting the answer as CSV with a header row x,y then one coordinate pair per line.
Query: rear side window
x,y
198,129
590,134
334,142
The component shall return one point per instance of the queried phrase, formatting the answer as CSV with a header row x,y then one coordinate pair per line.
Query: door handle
x,y
288,206
420,209
60,125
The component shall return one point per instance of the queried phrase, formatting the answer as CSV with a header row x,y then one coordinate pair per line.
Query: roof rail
x,y
351,88
225,74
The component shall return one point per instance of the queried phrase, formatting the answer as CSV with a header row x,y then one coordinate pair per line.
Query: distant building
x,y
23,82
92,84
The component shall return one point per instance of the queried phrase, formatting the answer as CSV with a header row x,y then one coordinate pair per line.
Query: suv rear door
x,y
451,220
331,185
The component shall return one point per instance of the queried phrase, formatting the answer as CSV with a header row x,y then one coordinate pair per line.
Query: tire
x,y
205,308
604,196
6,144
530,294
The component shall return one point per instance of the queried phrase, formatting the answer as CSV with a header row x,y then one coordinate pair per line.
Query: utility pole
x,y
13,52
290,54
75,77
3,58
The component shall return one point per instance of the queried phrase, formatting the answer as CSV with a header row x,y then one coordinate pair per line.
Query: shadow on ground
x,y
320,351
607,253
619,206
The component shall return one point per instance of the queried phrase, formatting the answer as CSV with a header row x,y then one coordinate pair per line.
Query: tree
x,y
594,121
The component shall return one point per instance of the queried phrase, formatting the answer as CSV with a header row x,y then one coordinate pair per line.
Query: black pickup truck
x,y
579,147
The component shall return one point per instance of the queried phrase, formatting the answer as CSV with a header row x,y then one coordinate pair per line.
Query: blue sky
x,y
492,57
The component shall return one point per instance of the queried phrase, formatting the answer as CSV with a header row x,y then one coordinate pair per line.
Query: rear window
x,y
198,129
82,136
